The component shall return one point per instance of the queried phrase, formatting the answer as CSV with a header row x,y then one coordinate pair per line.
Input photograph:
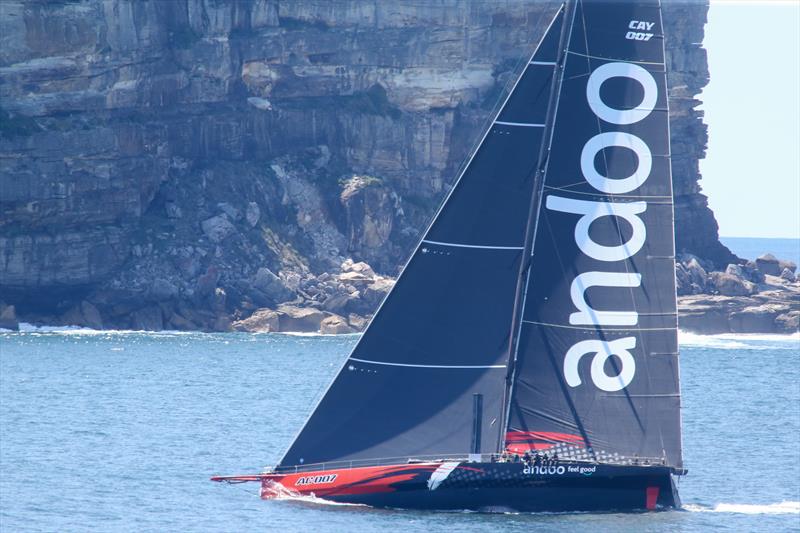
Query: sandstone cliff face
x,y
158,156
696,230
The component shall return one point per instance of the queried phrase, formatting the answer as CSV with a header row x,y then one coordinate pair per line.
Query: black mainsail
x,y
541,299
596,372
442,334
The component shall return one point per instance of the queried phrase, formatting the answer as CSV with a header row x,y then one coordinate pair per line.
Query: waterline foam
x,y
784,507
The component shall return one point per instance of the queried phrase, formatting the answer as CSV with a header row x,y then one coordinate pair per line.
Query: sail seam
x,y
667,200
615,59
479,246
424,366
522,124
594,327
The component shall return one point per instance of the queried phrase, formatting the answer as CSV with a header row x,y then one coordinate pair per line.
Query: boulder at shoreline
x,y
740,299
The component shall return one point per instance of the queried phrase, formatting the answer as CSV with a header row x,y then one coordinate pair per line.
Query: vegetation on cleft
x,y
373,101
183,37
293,23
13,125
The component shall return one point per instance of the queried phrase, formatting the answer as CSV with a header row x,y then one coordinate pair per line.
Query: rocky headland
x,y
761,296
257,165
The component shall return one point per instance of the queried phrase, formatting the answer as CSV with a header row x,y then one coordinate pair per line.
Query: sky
x,y
751,173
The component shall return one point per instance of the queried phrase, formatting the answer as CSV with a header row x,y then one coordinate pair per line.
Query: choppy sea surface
x,y
120,431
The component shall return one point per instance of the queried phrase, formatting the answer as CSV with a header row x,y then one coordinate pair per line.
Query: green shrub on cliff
x,y
17,125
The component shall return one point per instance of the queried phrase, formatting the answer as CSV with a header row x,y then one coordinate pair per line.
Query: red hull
x,y
481,486
342,482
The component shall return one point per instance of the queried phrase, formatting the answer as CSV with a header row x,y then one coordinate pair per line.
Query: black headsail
x,y
596,372
442,335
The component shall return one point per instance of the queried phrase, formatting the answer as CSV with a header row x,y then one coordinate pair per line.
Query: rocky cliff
x,y
182,164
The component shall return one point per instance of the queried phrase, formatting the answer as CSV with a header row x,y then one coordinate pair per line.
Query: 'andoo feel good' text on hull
x,y
527,357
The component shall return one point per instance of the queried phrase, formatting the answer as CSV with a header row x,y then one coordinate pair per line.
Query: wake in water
x,y
785,507
279,492
24,327
744,341
309,334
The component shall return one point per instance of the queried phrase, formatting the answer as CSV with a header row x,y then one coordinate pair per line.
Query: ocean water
x,y
112,431
750,248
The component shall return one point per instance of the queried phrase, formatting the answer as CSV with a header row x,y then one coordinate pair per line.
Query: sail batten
x,y
521,124
593,328
615,59
478,246
467,367
664,200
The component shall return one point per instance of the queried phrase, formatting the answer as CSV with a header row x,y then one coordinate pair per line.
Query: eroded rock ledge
x,y
761,296
326,303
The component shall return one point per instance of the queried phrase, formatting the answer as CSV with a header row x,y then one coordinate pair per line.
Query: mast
x,y
533,215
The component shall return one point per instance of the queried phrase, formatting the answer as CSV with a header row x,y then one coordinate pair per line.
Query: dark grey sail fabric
x,y
596,372
442,334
